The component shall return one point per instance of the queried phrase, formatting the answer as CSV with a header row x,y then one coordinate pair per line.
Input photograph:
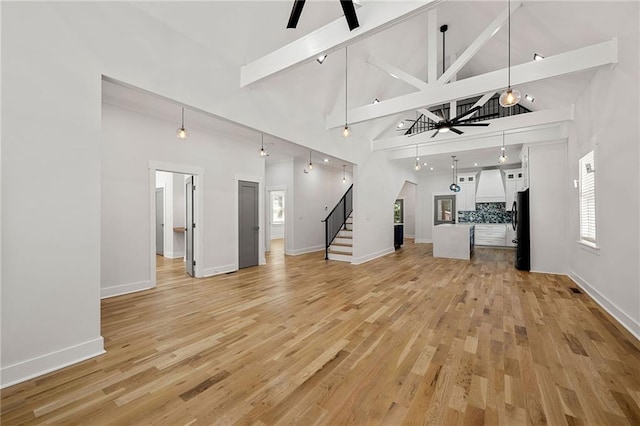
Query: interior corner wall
x,y
130,141
314,195
378,181
606,120
429,184
408,194
51,92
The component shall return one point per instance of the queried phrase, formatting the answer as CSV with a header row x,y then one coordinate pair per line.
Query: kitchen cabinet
x,y
491,234
453,241
514,182
466,198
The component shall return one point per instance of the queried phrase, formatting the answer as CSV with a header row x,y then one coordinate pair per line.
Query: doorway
x,y
175,181
248,224
160,221
276,214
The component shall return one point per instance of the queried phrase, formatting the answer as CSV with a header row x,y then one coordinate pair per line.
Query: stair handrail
x,y
336,220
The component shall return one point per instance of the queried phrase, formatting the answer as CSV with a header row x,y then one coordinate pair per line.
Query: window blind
x,y
587,198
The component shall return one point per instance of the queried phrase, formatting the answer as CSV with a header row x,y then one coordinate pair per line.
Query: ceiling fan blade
x,y
482,117
454,130
350,14
296,11
468,112
435,133
472,124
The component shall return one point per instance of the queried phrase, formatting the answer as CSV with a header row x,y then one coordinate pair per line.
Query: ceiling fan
x,y
444,126
347,7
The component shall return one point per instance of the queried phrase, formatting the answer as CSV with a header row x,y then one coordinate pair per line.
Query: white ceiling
x,y
239,32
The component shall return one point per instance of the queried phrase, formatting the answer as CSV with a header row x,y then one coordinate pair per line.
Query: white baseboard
x,y
423,241
34,367
304,250
173,255
370,257
623,319
217,270
409,236
119,290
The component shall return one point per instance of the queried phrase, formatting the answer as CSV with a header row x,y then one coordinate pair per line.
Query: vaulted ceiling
x,y
294,104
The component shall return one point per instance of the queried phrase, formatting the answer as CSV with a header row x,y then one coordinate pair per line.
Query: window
x,y
588,199
398,211
277,207
444,207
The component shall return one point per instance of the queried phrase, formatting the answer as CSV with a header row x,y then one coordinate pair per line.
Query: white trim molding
x,y
363,259
219,270
119,290
34,367
620,316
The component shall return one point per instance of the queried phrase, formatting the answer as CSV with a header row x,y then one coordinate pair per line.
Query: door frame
x,y
262,260
267,216
198,177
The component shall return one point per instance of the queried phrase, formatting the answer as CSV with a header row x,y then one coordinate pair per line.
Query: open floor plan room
x,y
406,338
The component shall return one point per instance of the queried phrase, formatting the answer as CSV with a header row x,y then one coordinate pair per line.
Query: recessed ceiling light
x,y
431,168
452,166
321,59
426,164
376,100
326,160
400,125
537,57
393,75
529,98
475,164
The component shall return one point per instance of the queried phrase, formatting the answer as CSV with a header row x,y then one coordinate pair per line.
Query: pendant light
x,y
263,153
182,133
503,152
345,131
310,166
509,97
454,187
417,167
344,174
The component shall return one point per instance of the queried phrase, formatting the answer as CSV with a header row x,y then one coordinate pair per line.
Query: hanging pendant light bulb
x,y
345,131
509,97
182,133
310,166
263,153
344,174
503,152
417,167
454,187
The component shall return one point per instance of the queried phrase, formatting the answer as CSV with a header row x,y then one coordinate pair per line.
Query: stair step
x,y
341,248
343,240
341,257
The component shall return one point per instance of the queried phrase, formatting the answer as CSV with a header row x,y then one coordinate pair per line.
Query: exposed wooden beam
x,y
477,44
397,73
521,121
375,16
577,60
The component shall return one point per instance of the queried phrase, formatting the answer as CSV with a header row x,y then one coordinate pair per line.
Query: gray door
x,y
189,226
248,224
160,221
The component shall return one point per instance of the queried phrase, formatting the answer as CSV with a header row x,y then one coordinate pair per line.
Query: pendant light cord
x,y
509,44
182,118
346,57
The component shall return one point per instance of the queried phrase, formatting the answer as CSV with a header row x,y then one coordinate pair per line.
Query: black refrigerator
x,y
520,223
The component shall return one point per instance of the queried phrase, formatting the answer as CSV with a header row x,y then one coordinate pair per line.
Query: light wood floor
x,y
403,339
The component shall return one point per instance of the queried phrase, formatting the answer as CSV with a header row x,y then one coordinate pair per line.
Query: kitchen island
x,y
454,241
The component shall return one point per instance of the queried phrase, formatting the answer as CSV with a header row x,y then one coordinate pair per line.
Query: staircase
x,y
338,230
341,248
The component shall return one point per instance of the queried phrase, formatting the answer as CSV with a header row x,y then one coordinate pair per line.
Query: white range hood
x,y
490,187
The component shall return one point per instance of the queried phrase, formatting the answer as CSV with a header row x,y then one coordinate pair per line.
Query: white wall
x,y
548,186
165,180
314,195
130,141
408,194
378,182
606,119
179,213
50,310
